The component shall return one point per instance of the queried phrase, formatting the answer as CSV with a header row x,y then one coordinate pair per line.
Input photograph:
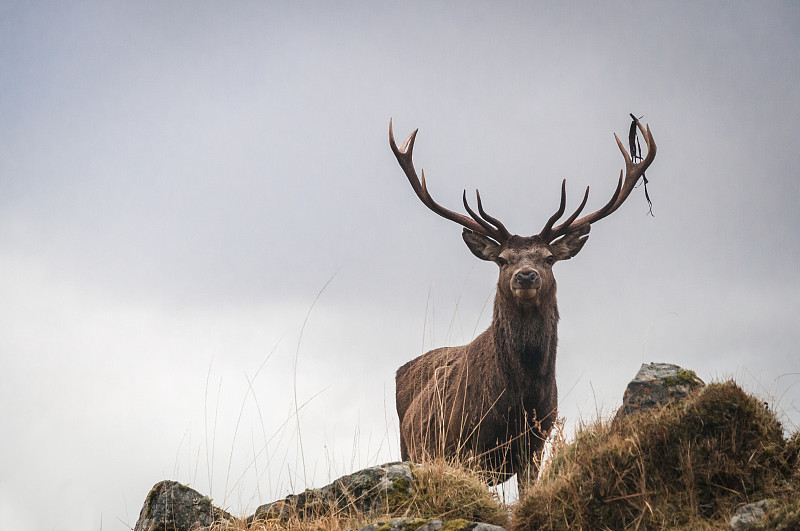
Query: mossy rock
x,y
171,506
380,489
398,489
683,377
657,385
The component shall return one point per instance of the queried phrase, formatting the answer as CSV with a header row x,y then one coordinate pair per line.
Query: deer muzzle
x,y
525,283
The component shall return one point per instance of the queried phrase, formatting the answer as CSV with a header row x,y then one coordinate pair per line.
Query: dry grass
x,y
443,491
295,523
450,491
685,466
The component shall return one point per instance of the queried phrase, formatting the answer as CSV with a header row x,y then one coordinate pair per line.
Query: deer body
x,y
490,388
495,400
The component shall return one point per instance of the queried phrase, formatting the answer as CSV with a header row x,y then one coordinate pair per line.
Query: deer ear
x,y
570,244
481,246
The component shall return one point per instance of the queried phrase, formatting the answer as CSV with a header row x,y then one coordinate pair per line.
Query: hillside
x,y
686,465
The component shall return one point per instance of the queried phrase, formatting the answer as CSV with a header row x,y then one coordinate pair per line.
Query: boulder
x,y
747,516
171,506
375,489
399,488
658,384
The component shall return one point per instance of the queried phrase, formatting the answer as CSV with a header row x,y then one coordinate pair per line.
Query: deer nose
x,y
527,278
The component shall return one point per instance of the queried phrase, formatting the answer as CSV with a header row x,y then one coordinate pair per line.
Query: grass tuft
x,y
685,466
449,491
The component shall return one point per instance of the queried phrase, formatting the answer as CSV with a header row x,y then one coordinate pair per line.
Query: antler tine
x,y
577,211
404,158
494,221
489,223
627,181
560,212
648,139
482,222
549,233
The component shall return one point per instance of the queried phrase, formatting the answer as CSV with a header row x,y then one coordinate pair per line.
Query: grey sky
x,y
178,181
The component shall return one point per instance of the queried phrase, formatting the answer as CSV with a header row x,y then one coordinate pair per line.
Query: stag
x,y
493,402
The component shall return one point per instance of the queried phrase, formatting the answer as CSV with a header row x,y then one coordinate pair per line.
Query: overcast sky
x,y
179,181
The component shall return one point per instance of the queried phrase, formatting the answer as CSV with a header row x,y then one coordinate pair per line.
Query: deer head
x,y
526,262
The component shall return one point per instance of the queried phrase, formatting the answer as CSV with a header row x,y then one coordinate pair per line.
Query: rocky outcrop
x,y
658,384
396,489
376,489
171,506
380,490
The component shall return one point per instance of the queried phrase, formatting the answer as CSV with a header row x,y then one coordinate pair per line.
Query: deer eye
x,y
501,261
550,260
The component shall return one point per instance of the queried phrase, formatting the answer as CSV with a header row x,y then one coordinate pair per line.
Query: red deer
x,y
494,400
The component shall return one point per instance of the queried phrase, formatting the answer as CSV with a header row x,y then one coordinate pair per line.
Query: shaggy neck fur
x,y
526,337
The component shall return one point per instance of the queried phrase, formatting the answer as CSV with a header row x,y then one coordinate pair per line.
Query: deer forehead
x,y
533,253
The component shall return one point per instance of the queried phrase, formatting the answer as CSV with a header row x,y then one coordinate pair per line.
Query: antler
x,y
632,173
482,224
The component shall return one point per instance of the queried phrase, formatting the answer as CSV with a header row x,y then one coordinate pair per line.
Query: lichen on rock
x,y
172,506
658,384
378,489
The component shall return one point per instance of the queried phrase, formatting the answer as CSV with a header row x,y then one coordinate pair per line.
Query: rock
x,y
406,524
381,490
658,384
747,516
423,524
377,489
171,506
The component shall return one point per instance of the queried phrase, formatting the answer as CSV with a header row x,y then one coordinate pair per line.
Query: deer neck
x,y
526,338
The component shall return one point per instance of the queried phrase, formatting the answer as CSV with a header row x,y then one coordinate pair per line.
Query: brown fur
x,y
495,399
